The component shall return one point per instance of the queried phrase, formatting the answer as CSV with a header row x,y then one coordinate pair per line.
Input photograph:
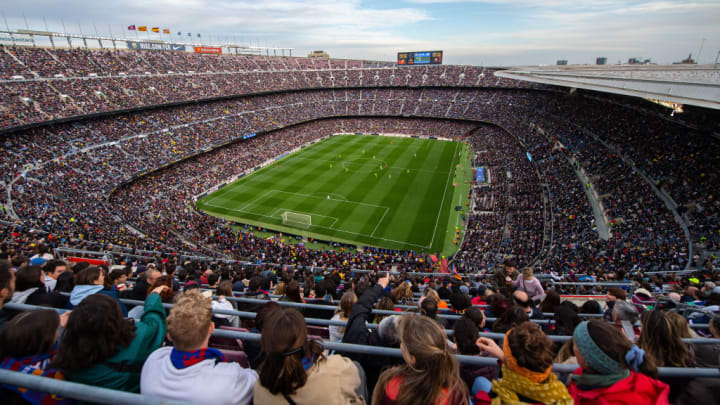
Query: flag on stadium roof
x,y
166,31
131,27
142,28
189,34
179,33
156,29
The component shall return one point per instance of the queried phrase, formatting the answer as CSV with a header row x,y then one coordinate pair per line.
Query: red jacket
x,y
638,389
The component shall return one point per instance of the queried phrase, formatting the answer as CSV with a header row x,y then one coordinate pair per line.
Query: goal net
x,y
295,219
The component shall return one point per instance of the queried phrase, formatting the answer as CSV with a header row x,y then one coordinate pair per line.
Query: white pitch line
x,y
324,227
331,199
437,221
379,222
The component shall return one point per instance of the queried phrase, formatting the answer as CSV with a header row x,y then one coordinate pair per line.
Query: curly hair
x,y
531,347
166,295
96,330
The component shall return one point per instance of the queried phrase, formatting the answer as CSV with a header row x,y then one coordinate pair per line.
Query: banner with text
x,y
155,46
207,49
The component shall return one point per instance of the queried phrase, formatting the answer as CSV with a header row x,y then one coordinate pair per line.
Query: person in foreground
x,y
527,377
430,374
295,370
27,344
612,369
102,348
176,373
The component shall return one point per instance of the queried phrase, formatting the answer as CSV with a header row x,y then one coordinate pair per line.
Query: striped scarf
x,y
34,365
182,359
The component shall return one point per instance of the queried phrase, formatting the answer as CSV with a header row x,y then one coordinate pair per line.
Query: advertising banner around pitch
x,y
207,49
153,46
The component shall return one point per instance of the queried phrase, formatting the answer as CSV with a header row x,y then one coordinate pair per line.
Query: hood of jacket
x,y
80,292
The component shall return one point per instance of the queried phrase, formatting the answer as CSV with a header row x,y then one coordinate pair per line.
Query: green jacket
x,y
122,371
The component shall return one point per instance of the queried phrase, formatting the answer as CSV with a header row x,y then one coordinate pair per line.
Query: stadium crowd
x,y
44,84
124,186
62,176
617,347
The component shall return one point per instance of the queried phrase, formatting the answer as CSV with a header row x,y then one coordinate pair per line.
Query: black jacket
x,y
320,313
356,332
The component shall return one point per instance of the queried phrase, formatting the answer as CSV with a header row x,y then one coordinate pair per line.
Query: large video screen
x,y
420,58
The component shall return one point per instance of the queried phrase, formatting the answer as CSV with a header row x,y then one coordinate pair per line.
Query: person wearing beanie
x,y
527,357
612,369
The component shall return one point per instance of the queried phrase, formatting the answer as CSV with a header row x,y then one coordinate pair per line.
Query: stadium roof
x,y
682,84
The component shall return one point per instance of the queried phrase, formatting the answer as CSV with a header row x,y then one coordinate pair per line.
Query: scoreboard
x,y
420,58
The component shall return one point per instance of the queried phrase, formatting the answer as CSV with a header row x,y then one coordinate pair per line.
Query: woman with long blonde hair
x,y
430,374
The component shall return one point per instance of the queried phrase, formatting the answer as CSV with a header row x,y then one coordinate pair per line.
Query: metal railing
x,y
81,392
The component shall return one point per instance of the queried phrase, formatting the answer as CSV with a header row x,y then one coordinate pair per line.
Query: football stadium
x,y
192,216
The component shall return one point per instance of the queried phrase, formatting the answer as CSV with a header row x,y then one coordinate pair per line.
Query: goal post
x,y
296,219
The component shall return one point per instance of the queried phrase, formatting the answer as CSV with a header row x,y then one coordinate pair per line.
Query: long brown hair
x,y
96,330
615,344
658,339
435,368
284,339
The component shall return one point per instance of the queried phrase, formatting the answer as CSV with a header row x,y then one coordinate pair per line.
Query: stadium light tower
x,y
702,43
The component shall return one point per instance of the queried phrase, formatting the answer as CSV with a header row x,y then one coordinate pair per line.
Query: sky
x,y
482,32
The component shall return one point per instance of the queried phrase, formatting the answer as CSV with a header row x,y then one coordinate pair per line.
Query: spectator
x,y
565,321
254,292
292,292
614,294
430,375
100,347
527,376
612,369
295,369
26,346
521,299
428,308
118,278
144,281
465,333
166,297
347,302
29,289
511,318
477,317
324,297
92,281
658,339
385,304
7,289
591,307
65,282
177,372
551,300
385,335
53,269
706,355
625,317
530,285
225,290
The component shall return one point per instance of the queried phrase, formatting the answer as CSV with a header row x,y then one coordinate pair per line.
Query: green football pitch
x,y
389,192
